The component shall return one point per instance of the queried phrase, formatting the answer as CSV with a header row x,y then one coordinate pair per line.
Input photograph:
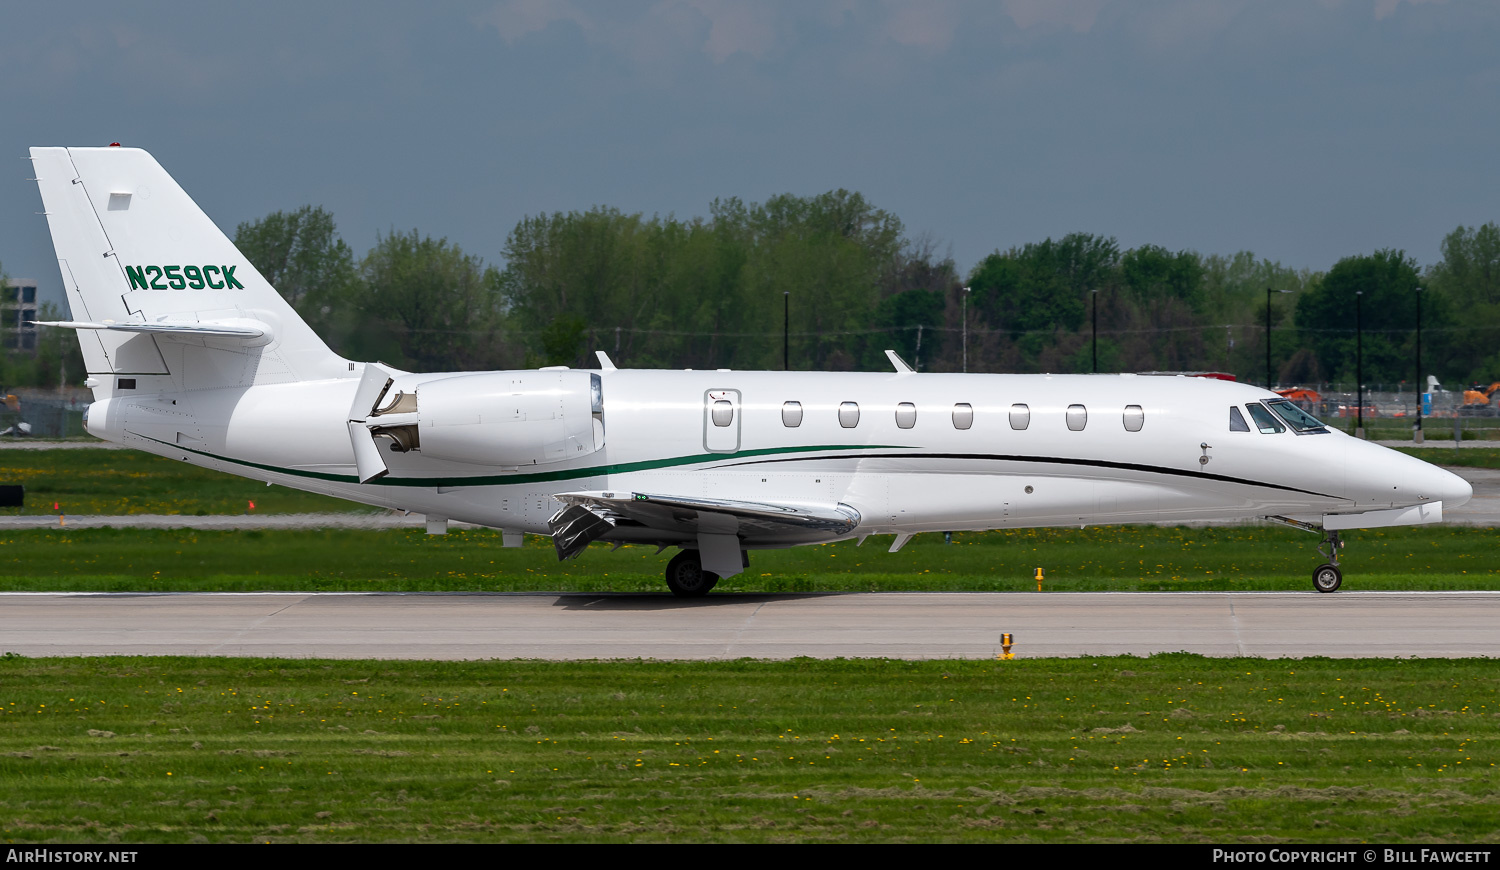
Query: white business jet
x,y
192,355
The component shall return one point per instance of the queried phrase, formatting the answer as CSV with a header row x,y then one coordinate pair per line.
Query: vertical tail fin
x,y
157,291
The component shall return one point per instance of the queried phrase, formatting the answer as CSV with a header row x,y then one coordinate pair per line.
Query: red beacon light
x,y
114,144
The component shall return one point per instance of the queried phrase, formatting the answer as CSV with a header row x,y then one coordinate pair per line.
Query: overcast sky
x,y
1303,130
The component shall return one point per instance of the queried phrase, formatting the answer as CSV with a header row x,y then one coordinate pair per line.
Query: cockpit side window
x,y
1237,420
1301,422
1264,421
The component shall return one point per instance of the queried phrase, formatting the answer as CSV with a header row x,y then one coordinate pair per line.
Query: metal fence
x,y
1393,412
1388,412
46,413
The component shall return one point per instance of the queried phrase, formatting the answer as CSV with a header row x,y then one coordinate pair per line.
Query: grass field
x,y
1094,559
1171,748
1433,428
1468,457
122,482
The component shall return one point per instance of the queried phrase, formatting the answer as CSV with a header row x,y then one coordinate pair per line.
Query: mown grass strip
x,y
1468,457
123,482
1170,748
1096,559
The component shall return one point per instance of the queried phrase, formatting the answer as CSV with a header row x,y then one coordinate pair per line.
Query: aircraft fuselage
x,y
909,452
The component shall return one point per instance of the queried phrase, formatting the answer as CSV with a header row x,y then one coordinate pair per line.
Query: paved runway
x,y
895,625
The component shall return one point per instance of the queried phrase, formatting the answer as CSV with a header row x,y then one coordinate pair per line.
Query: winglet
x,y
899,363
605,363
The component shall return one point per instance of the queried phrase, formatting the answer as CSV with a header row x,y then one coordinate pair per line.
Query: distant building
x,y
17,309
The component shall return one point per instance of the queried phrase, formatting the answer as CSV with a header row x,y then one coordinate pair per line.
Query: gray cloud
x,y
1302,130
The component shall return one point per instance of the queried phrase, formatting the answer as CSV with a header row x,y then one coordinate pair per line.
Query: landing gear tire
x,y
686,577
1327,578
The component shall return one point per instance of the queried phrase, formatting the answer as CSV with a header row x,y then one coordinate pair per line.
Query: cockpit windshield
x,y
1301,422
1267,424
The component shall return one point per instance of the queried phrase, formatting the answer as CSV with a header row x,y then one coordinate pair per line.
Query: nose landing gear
x,y
1326,577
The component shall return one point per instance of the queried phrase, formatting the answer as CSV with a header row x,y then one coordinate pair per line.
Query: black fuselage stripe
x,y
1049,460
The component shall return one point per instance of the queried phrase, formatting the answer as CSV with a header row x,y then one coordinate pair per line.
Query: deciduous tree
x,y
441,306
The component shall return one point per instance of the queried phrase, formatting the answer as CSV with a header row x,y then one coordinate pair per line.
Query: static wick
x,y
1005,643
1039,579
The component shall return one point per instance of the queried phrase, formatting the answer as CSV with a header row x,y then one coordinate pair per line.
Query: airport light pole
x,y
1094,338
1417,433
1270,381
1359,364
965,329
786,330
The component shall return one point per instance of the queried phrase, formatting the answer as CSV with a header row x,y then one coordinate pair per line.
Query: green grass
x,y
1433,428
1469,457
1094,559
118,482
1173,748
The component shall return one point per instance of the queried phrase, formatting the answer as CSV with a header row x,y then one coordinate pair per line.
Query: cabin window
x,y
791,414
1135,418
1267,424
1078,417
906,415
1237,420
848,414
963,415
1020,417
722,413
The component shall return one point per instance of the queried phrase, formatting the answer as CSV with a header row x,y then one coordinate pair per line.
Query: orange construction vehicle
x,y
1301,394
1310,401
1478,396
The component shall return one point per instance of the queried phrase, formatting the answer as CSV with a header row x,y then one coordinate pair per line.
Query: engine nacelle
x,y
510,418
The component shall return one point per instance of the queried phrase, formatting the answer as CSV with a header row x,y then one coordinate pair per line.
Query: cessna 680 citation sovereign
x,y
193,355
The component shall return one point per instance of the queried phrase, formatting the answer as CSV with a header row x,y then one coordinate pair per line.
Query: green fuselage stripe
x,y
536,477
724,460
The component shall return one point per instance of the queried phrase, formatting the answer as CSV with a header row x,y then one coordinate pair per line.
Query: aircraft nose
x,y
1379,475
1440,484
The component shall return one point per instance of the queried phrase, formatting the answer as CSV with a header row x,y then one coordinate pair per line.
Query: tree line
x,y
839,281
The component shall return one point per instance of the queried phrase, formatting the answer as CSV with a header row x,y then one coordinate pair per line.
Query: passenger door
x,y
721,421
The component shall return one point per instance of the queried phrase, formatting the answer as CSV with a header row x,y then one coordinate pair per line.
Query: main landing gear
x,y
686,577
1327,577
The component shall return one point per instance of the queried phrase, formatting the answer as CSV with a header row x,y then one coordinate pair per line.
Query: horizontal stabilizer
x,y
245,330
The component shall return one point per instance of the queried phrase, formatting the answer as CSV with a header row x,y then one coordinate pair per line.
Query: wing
x,y
639,516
